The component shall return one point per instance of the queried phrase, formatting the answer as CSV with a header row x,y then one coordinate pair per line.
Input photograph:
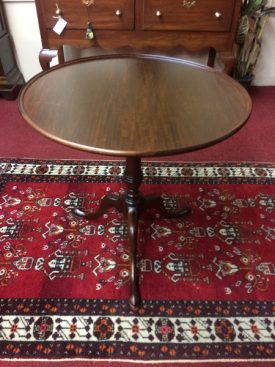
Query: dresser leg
x,y
211,57
46,56
228,60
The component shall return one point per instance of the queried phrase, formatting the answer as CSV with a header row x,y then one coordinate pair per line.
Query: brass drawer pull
x,y
218,15
158,13
118,13
58,12
88,2
189,3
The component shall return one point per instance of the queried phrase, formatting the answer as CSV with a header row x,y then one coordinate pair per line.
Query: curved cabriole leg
x,y
228,60
132,218
156,202
106,203
45,57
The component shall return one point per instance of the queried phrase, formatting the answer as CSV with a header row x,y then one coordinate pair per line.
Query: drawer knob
x,y
118,13
158,13
218,15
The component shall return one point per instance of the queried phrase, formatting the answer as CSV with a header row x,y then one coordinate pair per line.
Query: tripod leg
x,y
132,217
107,202
156,202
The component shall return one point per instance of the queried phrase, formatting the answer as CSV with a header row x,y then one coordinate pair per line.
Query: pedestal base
x,y
132,205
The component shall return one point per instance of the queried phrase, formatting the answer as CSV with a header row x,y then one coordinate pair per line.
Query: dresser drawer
x,y
103,14
188,15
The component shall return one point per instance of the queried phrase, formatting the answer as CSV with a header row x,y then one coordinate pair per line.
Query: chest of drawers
x,y
164,26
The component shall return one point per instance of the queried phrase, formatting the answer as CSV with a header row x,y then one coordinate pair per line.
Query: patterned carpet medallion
x,y
207,279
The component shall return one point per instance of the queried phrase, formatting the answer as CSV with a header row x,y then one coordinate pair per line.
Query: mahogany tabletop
x,y
134,105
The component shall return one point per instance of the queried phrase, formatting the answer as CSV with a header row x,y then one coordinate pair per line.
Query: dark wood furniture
x,y
134,106
11,80
163,26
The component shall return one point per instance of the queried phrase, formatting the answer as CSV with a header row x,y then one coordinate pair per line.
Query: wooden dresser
x,y
165,26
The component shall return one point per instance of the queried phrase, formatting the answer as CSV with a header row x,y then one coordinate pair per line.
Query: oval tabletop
x,y
138,105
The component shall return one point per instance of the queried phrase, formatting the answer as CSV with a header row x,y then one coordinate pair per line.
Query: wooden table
x,y
134,106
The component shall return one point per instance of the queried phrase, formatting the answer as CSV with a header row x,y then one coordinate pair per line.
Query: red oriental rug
x,y
207,279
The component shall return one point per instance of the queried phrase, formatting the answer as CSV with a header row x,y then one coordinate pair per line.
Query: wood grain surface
x,y
134,105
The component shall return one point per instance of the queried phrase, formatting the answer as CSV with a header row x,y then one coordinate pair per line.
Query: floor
x,y
255,142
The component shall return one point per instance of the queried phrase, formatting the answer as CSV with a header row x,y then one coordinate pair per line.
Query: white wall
x,y
24,29
265,68
23,25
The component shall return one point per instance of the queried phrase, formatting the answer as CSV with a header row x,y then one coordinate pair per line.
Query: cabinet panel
x,y
11,79
162,26
192,15
103,14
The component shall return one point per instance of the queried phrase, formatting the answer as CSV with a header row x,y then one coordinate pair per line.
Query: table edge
x,y
119,153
